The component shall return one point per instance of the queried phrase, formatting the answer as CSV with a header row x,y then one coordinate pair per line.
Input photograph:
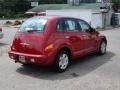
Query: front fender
x,y
102,37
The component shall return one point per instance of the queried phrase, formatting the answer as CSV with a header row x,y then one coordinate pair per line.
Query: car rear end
x,y
28,44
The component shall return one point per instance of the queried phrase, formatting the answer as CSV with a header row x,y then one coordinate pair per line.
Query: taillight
x,y
0,29
49,47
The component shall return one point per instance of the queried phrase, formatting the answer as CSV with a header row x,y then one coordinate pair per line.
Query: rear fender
x,y
55,51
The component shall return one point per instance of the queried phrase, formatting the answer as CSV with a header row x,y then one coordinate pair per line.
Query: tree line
x,y
13,8
16,8
52,1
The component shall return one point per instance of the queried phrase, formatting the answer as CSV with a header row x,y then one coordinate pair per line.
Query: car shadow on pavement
x,y
78,68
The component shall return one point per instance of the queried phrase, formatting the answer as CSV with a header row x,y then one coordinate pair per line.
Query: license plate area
x,y
22,59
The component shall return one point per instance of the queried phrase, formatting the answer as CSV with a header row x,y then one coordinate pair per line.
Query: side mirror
x,y
92,30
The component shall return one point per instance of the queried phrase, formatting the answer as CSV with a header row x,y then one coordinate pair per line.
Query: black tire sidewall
x,y
100,52
57,67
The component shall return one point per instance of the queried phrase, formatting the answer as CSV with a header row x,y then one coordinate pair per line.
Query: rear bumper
x,y
29,58
1,35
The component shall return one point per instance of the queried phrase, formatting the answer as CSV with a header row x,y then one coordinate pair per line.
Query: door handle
x,y
67,37
84,35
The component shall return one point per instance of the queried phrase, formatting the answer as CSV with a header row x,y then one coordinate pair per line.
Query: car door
x,y
73,34
89,37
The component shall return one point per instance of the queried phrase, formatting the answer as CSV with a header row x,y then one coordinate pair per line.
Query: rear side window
x,y
33,24
71,26
60,26
84,26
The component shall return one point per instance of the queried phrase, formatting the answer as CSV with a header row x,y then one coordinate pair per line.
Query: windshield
x,y
33,24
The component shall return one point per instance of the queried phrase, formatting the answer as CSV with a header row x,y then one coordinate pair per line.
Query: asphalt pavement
x,y
89,73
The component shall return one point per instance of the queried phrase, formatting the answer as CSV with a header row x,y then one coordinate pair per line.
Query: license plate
x,y
22,59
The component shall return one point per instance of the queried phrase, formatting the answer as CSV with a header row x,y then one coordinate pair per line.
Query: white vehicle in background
x,y
1,34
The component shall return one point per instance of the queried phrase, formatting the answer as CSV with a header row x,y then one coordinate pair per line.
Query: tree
x,y
12,7
22,6
116,5
52,1
116,1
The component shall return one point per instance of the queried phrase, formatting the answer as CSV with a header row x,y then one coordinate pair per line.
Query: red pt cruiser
x,y
55,40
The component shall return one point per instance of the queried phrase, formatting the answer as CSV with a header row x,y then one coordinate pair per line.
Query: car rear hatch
x,y
30,37
28,43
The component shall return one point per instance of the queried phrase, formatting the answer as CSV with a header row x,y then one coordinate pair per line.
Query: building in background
x,y
88,10
76,2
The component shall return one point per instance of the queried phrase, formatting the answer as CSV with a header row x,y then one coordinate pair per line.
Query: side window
x,y
71,26
84,26
60,26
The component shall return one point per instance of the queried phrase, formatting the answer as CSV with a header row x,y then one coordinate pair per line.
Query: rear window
x,y
33,24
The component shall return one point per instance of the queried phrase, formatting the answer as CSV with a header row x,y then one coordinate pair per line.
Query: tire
x,y
102,48
25,65
62,61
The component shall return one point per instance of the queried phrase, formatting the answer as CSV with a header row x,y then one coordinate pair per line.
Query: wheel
x,y
25,65
102,48
62,61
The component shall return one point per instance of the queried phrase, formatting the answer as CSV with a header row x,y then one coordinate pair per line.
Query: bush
x,y
8,23
17,22
19,15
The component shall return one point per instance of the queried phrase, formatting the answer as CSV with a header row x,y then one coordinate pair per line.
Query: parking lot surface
x,y
88,73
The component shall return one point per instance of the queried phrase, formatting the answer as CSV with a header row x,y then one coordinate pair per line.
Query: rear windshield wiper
x,y
33,30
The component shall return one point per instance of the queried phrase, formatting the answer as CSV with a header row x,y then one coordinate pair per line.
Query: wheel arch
x,y
65,48
103,38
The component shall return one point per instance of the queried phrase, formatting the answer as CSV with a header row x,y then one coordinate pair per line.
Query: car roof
x,y
53,17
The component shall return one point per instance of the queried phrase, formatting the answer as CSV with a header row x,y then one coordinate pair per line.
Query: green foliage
x,y
116,5
52,1
16,8
17,22
13,8
8,23
116,1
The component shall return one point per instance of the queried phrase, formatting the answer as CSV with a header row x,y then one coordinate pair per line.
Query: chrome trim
x,y
25,44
